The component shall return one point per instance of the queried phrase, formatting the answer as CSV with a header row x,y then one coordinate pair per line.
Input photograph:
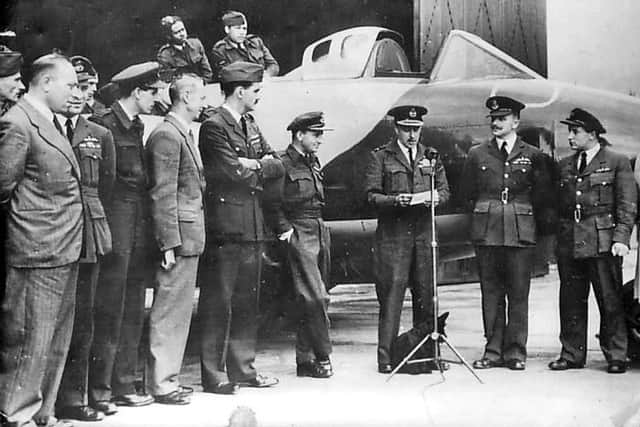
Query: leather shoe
x,y
563,364
185,390
260,381
515,365
385,368
49,421
486,363
617,367
314,369
80,413
132,399
106,407
174,398
222,388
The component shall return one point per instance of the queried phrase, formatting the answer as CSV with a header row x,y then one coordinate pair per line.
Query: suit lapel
x,y
395,147
492,148
50,134
187,140
516,150
596,162
233,123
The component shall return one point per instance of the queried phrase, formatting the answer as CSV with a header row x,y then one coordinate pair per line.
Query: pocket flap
x,y
482,206
95,207
523,209
187,215
296,175
605,221
601,178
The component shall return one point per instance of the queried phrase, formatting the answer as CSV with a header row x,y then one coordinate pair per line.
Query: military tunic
x,y
508,200
403,238
226,52
190,59
308,251
597,208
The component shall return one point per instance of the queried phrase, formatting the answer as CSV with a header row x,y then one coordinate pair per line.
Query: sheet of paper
x,y
420,198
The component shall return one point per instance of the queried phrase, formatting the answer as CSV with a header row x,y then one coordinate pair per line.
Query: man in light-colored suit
x,y
177,185
40,188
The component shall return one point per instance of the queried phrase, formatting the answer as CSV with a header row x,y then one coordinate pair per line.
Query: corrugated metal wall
x,y
517,27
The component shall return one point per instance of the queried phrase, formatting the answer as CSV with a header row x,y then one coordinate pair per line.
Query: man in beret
x,y
238,46
88,81
182,54
506,183
11,86
597,202
298,222
395,173
124,273
41,191
238,162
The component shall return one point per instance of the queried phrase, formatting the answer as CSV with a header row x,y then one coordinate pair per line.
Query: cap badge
x,y
79,68
413,113
493,105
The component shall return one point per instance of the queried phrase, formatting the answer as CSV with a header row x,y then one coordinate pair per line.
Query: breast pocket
x,y
299,185
602,185
129,163
90,158
396,180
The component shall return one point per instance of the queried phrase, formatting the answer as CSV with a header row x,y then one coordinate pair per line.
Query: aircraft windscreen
x,y
465,56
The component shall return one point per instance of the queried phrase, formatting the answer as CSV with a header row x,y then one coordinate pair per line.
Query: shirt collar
x,y
63,119
510,140
591,152
236,116
39,106
185,126
405,150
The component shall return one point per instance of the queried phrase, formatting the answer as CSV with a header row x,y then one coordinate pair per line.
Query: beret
x,y
233,17
10,62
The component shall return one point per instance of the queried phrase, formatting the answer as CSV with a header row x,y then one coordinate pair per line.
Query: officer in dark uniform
x,y
88,81
238,46
403,238
124,273
299,224
93,146
505,182
597,199
237,163
182,54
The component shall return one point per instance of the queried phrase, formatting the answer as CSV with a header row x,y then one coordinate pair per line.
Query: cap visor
x,y
408,122
571,123
499,113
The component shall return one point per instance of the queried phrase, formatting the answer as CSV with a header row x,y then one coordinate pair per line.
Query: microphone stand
x,y
435,335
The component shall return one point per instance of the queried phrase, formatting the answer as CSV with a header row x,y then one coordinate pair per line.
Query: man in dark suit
x,y
597,199
183,54
237,162
177,185
40,187
238,46
125,272
506,183
93,147
395,173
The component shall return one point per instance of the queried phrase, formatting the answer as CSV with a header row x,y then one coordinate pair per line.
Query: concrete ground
x,y
358,396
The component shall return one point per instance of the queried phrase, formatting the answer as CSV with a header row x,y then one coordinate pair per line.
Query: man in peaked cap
x,y
88,81
597,205
238,162
183,54
395,172
124,273
238,46
11,86
299,225
506,182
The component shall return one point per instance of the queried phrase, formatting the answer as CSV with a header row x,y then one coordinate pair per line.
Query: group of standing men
x,y
93,214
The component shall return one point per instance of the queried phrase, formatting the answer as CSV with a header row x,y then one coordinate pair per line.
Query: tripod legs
x,y
460,358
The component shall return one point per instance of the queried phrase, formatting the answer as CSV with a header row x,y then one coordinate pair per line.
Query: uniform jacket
x,y
98,109
131,180
388,174
177,186
607,198
226,52
192,58
509,199
300,192
40,184
233,199
93,146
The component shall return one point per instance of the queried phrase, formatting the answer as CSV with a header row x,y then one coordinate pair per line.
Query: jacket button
x,y
579,180
506,175
506,163
578,193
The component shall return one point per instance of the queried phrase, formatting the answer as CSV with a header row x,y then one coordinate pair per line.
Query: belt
x,y
578,213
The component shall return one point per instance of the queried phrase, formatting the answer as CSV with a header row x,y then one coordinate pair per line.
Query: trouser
x,y
119,303
228,311
605,273
399,264
74,386
169,323
37,319
505,272
309,261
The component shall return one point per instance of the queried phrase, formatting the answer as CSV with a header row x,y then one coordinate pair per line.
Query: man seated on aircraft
x,y
506,182
394,173
238,46
597,197
182,54
298,218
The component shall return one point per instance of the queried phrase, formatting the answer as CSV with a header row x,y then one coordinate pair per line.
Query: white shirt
x,y
39,106
510,140
63,122
405,151
591,153
237,116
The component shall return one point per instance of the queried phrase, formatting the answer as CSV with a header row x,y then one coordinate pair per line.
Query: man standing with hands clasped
x,y
597,197
395,172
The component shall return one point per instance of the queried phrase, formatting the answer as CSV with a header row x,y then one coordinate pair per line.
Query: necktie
x,y
69,125
411,157
243,123
583,162
56,123
504,151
